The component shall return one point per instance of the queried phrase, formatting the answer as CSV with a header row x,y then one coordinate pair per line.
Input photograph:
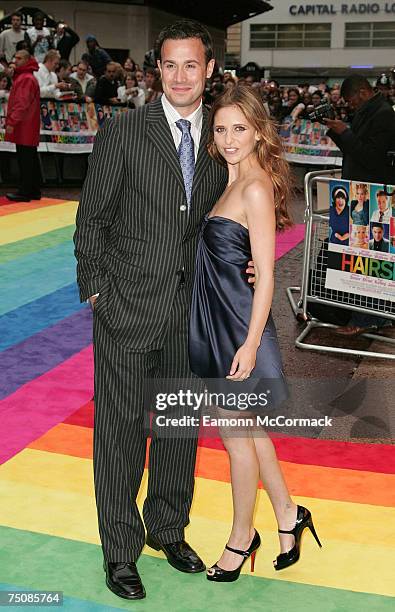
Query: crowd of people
x,y
94,78
298,101
97,78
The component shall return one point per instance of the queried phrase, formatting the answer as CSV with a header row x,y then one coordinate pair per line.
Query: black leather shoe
x,y
17,197
123,579
180,555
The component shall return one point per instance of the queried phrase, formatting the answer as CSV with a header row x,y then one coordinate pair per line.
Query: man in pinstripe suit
x,y
135,242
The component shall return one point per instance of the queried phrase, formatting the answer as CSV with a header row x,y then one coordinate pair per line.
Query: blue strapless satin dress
x,y
221,312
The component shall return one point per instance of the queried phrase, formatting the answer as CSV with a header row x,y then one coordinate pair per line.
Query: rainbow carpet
x,y
48,528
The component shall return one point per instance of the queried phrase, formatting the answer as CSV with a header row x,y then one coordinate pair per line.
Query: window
x,y
368,34
290,36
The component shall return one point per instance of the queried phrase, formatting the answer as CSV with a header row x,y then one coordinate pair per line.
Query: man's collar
x,y
173,115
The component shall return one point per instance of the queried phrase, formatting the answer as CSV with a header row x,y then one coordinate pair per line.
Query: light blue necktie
x,y
186,153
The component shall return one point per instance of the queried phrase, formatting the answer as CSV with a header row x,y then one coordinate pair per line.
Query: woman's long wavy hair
x,y
268,149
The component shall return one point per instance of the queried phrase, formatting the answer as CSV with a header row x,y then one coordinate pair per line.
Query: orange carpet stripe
x,y
66,440
9,209
313,481
304,480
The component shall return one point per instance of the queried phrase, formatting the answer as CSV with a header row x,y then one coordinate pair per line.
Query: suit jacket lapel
x,y
158,131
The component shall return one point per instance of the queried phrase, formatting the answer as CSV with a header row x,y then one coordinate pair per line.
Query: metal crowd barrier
x,y
313,290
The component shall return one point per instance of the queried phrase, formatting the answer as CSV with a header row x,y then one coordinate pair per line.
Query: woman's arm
x,y
342,237
261,221
139,100
299,108
121,93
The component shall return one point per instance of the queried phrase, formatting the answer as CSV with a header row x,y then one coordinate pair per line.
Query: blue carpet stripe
x,y
31,277
19,324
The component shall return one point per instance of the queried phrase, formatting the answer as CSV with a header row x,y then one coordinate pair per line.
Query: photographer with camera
x,y
365,146
366,143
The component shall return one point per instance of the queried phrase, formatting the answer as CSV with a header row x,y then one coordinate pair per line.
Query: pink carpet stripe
x,y
44,402
285,241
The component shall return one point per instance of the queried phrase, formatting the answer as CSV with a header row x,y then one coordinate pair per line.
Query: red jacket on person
x,y
23,112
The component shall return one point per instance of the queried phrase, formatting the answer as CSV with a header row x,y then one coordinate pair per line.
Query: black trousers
x,y
120,441
29,170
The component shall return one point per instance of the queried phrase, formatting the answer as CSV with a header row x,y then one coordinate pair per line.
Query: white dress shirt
x,y
386,215
196,119
47,81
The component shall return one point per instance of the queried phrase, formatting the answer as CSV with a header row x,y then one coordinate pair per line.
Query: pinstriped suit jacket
x,y
132,236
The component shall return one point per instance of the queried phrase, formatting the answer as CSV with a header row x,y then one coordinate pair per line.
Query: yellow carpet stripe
x,y
53,494
34,222
75,475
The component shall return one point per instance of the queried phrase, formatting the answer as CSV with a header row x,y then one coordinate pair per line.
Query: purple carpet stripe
x,y
33,357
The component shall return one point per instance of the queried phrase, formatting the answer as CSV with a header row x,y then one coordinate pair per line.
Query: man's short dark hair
x,y
23,45
182,29
352,84
380,193
17,14
63,63
379,225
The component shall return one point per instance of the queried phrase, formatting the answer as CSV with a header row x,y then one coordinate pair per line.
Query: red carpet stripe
x,y
329,453
6,208
325,453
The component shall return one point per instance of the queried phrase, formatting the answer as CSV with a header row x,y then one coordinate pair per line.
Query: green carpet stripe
x,y
45,562
21,248
70,604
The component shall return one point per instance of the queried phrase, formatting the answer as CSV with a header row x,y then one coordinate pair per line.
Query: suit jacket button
x,y
183,207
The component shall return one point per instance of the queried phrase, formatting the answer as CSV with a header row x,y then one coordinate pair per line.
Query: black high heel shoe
x,y
221,575
303,520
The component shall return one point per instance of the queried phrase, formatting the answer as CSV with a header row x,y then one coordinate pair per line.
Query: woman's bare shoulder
x,y
258,190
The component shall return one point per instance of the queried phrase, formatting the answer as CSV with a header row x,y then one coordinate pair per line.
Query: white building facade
x,y
321,40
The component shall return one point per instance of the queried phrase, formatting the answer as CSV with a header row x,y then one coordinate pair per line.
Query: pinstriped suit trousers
x,y
120,441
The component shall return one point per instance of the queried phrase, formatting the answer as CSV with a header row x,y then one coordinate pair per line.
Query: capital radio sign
x,y
353,8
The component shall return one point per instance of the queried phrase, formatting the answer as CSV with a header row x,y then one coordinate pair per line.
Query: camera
x,y
322,111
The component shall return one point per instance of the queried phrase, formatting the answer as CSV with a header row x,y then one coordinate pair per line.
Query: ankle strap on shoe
x,y
284,531
243,553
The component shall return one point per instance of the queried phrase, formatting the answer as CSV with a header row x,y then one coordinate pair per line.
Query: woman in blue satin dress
x,y
232,336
